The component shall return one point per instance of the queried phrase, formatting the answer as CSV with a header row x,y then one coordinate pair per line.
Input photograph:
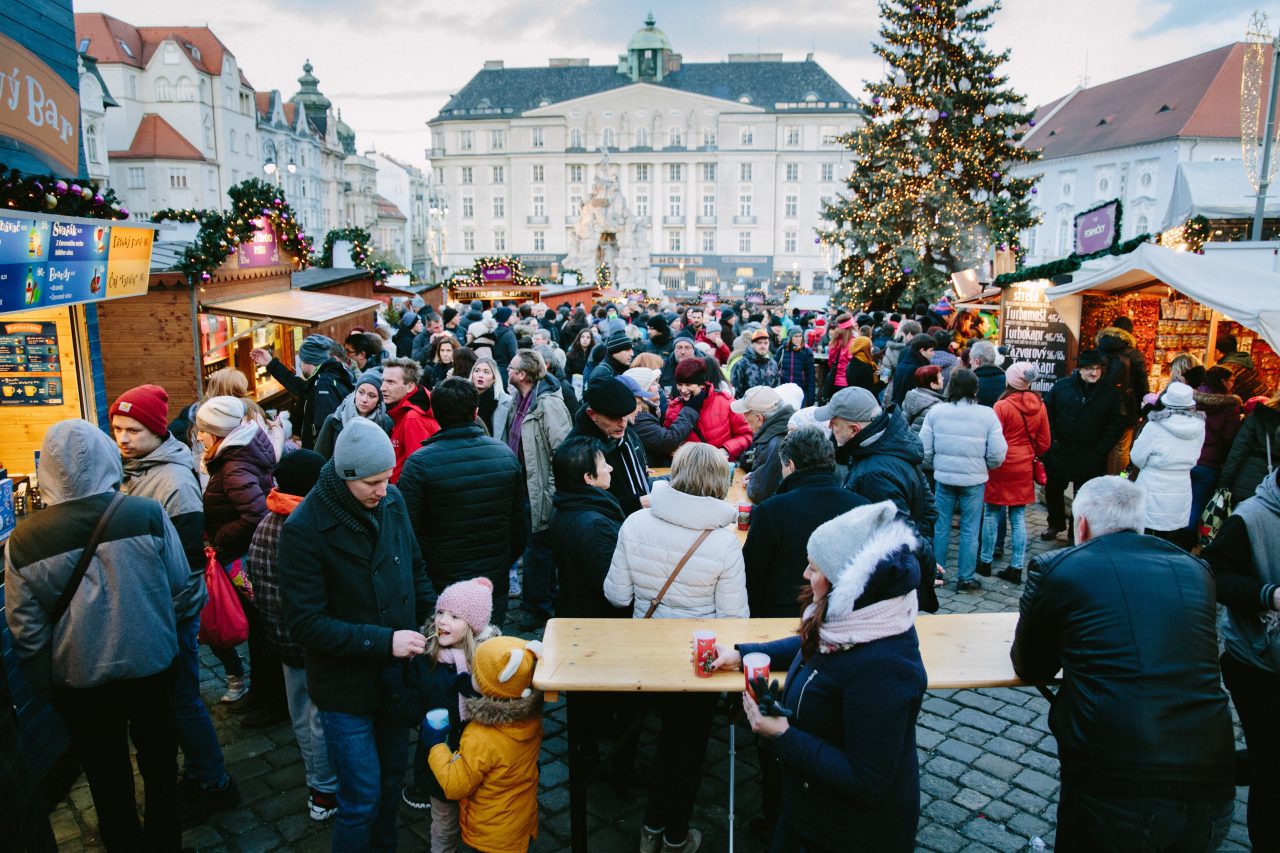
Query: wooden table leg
x,y
578,772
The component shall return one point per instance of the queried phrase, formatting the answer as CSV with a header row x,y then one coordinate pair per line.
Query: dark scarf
x,y
337,499
488,404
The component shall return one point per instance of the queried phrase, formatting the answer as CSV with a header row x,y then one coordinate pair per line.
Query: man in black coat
x,y
1142,723
318,392
606,418
463,489
504,340
584,529
1126,369
1085,422
660,340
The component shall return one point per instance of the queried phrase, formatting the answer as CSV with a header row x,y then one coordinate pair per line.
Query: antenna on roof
x,y
1084,78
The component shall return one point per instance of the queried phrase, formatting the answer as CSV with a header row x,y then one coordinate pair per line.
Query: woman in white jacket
x,y
1165,452
712,584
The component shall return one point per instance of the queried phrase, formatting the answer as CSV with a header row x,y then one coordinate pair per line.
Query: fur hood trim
x,y
1210,400
489,711
884,543
1116,332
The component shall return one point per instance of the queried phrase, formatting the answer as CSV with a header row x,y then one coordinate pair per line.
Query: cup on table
x,y
437,718
755,665
704,652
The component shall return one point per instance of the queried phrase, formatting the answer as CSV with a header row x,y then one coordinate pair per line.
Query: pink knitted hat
x,y
471,601
1020,376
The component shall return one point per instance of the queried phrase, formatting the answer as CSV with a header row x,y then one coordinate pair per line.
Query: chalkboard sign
x,y
1034,332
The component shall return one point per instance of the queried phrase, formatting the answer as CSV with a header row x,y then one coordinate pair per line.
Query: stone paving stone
x,y
992,834
1037,783
980,720
998,810
970,735
939,838
997,766
946,768
1005,748
971,799
959,750
975,699
989,785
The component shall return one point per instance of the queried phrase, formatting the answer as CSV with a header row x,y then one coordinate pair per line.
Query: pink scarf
x,y
887,618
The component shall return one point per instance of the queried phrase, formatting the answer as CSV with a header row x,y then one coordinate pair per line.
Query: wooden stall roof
x,y
293,307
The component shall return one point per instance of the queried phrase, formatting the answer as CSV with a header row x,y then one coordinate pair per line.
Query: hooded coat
x,y
121,622
584,535
884,463
991,383
332,427
545,425
718,425
316,397
1255,451
235,498
1221,424
1026,432
1165,452
917,404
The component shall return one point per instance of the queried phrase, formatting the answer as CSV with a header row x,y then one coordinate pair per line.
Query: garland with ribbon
x,y
359,239
51,194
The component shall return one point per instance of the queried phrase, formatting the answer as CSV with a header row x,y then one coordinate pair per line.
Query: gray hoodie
x,y
1255,637
121,622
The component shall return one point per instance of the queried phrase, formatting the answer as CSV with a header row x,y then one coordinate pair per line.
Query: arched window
x,y
164,90
642,137
607,139
91,143
208,132
676,138
248,144
186,91
575,138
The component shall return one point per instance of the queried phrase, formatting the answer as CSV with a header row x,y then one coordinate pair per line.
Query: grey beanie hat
x,y
362,450
315,350
373,377
849,550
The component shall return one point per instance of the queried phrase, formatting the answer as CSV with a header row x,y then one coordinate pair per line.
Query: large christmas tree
x,y
929,191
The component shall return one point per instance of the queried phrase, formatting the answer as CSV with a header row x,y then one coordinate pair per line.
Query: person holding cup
x,y
844,726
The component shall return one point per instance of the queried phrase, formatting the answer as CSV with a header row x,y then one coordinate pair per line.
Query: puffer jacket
x,y
991,383
1026,430
751,370
494,773
1141,711
235,499
412,423
764,463
917,404
1221,424
1255,451
718,425
884,464
1165,452
167,475
546,424
712,583
121,622
316,397
962,441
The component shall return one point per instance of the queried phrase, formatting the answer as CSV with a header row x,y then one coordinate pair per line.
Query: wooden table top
x,y
962,650
737,495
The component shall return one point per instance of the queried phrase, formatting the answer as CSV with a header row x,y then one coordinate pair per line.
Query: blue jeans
x,y
540,585
308,731
1204,479
991,513
969,501
369,754
202,756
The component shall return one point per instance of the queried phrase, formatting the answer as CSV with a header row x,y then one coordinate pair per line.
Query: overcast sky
x,y
390,65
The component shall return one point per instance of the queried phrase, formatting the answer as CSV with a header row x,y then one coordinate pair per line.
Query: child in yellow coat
x,y
494,773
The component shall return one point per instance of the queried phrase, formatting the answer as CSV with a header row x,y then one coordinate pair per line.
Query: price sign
x,y
1034,332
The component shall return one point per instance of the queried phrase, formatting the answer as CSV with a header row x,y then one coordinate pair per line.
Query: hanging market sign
x,y
51,262
1098,229
262,250
1034,332
38,108
501,272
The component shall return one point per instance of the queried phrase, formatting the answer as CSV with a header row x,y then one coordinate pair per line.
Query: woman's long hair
x,y
812,624
840,338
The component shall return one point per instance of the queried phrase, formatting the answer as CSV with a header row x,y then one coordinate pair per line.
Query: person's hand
x,y
727,657
644,501
770,727
938,573
432,736
260,356
406,644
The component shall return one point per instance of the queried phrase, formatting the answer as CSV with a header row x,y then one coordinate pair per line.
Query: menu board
x,y
50,263
1034,332
30,368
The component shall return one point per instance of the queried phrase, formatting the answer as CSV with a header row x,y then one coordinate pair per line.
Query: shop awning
x,y
1243,293
1215,190
293,307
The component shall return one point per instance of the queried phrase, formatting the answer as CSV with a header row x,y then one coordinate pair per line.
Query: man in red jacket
x,y
409,406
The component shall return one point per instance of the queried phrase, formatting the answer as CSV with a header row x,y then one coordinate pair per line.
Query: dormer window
x,y
125,48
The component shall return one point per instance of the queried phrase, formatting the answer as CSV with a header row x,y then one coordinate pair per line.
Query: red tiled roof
x,y
290,112
263,102
388,210
1194,97
105,34
156,139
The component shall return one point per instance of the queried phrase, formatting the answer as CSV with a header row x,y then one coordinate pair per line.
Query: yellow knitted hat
x,y
503,667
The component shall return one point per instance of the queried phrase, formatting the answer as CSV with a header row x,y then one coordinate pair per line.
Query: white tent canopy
x,y
1243,293
1216,190
809,302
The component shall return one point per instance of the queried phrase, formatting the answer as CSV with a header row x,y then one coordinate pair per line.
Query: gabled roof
x,y
507,92
388,210
262,100
1194,97
156,139
111,40
91,66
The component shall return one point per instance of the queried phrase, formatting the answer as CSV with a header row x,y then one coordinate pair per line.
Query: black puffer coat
x,y
991,383
1248,460
1085,422
884,462
235,499
463,491
584,534
660,443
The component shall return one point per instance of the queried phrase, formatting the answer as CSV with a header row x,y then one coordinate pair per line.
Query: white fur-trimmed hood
x,y
848,549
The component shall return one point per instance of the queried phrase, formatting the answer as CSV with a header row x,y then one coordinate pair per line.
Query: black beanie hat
x,y
297,472
659,324
1091,358
610,397
728,314
448,314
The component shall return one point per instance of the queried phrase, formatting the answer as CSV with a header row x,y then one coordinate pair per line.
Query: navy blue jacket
x,y
584,535
884,463
991,383
796,365
850,777
904,375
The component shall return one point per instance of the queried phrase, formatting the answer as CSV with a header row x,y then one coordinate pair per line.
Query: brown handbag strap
x,y
653,605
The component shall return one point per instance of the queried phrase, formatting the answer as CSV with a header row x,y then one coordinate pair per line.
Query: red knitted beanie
x,y
146,404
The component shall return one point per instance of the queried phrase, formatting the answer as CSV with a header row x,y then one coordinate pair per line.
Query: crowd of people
x,y
445,464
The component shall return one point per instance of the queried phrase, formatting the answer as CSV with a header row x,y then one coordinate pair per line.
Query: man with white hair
x,y
983,356
1141,721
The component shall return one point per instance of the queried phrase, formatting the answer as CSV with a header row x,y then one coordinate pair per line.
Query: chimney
x,y
493,65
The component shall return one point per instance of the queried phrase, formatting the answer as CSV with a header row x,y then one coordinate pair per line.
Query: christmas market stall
x,y
493,280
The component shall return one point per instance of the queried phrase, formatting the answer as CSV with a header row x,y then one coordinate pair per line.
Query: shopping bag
x,y
222,622
1216,512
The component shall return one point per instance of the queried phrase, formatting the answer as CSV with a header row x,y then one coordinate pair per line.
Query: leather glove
x,y
769,698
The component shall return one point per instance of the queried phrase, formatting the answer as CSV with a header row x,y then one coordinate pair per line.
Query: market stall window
x,y
227,341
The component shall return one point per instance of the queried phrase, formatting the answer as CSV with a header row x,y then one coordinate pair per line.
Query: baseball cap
x,y
853,404
759,399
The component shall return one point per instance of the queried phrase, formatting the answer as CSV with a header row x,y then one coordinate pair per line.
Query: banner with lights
x,y
49,263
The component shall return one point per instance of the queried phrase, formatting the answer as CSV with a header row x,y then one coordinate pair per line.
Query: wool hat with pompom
x,y
503,667
471,601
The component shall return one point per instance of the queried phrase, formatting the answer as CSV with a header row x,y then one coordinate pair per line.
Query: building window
x,y
607,138
675,172
708,138
744,171
539,241
642,205
468,240
536,138
675,204
91,143
538,173
499,207
1142,225
642,137
744,241
468,176
437,175
676,137
744,204
828,135
789,242
708,241
177,179
709,203
1145,180
497,140
828,172
1064,232
575,205
235,176
789,207
170,54
709,172
499,174
1067,188
468,207
792,172
575,174
186,91
466,141
747,136
575,138
499,241
164,90
208,132
235,148
1029,240
642,173
793,137
674,241
539,205
137,177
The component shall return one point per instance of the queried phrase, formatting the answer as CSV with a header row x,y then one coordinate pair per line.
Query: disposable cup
x,y
754,665
704,652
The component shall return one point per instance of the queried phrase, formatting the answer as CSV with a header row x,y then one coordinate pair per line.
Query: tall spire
x,y
310,98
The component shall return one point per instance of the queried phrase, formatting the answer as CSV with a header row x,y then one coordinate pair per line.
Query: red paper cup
x,y
754,665
704,652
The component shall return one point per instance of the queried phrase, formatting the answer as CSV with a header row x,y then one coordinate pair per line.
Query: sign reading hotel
x,y
38,108
51,263
30,367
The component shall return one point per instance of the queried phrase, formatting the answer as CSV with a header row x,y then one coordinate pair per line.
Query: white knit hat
x,y
1178,396
220,415
849,550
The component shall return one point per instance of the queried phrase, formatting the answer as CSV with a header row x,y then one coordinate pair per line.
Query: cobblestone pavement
x,y
988,780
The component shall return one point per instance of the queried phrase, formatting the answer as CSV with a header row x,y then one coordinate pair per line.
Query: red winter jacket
x,y
717,425
413,424
1012,484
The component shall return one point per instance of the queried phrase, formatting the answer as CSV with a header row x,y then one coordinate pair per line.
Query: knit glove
x,y
769,698
431,736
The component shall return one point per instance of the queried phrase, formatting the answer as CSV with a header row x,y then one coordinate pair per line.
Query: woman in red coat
x,y
717,425
1026,430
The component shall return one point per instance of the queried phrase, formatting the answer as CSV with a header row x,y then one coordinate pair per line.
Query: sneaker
x,y
691,842
1012,575
984,569
1050,533
321,806
515,586
650,839
236,689
201,802
414,799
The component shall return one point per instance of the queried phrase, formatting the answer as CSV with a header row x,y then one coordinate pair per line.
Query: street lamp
x,y
271,168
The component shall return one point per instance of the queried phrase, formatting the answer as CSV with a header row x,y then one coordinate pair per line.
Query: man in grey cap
x,y
318,392
355,590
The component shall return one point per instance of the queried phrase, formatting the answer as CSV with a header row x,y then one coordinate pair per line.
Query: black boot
x,y
1011,574
984,569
